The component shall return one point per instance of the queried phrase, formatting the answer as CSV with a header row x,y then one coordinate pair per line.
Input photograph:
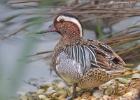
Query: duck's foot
x,y
69,98
72,97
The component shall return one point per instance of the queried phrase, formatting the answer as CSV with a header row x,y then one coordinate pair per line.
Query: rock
x,y
57,90
50,88
50,91
23,97
55,95
40,91
45,86
106,97
61,85
42,97
62,97
97,94
132,95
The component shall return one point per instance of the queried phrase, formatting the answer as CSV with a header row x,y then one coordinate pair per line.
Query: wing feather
x,y
82,54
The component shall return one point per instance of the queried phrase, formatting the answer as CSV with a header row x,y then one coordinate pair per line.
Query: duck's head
x,y
68,26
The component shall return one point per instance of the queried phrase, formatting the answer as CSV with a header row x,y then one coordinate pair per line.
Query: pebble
x,y
42,97
50,88
45,86
97,93
24,97
59,91
50,92
61,85
61,97
40,91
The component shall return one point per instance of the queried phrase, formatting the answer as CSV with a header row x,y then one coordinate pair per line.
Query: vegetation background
x,y
22,42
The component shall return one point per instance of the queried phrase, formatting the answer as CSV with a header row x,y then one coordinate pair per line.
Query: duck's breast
x,y
68,69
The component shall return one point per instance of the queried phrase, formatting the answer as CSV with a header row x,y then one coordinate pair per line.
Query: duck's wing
x,y
82,54
105,55
94,54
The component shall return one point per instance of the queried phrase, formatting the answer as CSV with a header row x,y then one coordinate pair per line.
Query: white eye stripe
x,y
74,20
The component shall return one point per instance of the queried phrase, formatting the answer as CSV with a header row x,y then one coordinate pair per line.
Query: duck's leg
x,y
74,90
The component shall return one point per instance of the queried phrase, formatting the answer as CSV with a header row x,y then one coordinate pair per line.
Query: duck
x,y
80,62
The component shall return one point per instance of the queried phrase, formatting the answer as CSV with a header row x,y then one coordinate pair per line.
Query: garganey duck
x,y
83,63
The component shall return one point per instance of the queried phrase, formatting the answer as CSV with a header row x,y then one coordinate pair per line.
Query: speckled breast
x,y
94,78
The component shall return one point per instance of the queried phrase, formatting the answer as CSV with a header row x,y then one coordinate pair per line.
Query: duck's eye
x,y
61,20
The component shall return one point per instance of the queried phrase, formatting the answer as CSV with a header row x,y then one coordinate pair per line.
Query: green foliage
x,y
100,34
10,87
52,2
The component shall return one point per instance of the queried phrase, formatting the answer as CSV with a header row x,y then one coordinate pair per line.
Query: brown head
x,y
68,26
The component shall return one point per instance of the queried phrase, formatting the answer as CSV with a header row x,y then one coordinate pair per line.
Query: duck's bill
x,y
51,28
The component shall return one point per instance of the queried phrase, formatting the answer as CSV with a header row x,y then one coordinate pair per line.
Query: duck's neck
x,y
70,39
